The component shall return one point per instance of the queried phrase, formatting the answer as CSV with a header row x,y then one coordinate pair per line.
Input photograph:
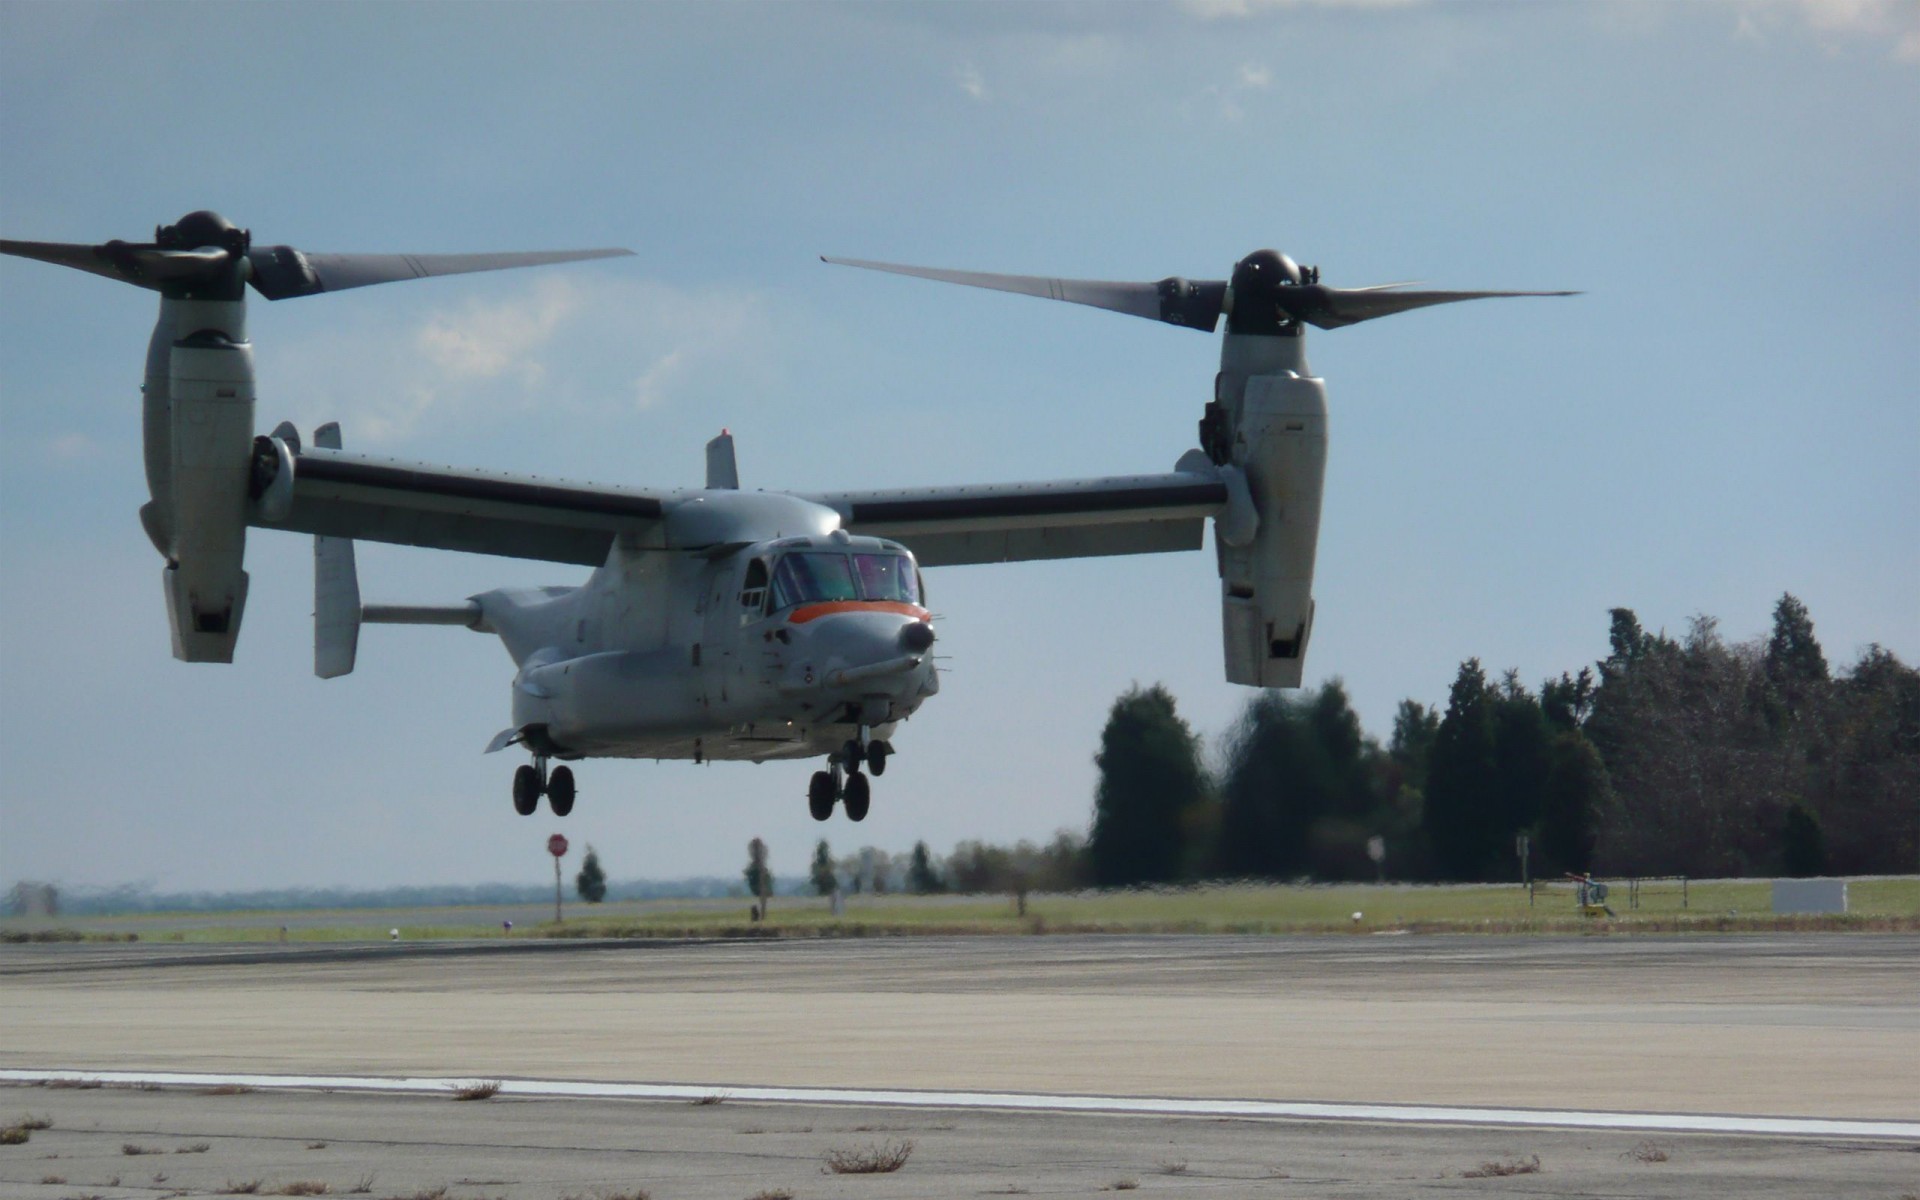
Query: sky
x,y
1731,410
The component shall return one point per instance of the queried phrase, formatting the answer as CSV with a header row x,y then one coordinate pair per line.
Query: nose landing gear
x,y
533,781
842,780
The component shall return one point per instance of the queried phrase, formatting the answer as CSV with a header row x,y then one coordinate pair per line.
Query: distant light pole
x,y
556,846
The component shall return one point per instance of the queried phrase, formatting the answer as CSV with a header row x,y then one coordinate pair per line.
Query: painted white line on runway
x,y
1415,1114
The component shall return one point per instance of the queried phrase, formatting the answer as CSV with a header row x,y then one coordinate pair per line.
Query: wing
x,y
337,494
1013,522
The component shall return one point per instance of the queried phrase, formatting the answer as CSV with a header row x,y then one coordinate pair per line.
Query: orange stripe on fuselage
x,y
809,612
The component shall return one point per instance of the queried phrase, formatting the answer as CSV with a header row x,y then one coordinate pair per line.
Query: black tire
x,y
526,790
852,755
877,757
859,796
560,791
820,795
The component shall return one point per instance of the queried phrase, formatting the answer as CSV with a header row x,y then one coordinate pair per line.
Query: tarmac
x,y
1499,1039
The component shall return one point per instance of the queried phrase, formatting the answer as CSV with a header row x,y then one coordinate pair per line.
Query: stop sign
x,y
557,845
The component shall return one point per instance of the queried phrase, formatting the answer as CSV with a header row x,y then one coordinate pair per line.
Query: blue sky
x,y
1730,411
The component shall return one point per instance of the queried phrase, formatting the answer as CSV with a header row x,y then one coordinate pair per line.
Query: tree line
x,y
1670,756
1688,756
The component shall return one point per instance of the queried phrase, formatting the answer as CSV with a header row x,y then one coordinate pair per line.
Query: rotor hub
x,y
1260,305
203,228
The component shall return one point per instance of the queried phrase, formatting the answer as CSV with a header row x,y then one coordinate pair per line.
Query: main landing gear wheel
x,y
877,752
852,755
560,791
859,796
526,790
820,795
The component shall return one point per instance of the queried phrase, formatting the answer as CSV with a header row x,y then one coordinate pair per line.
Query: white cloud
x,y
70,446
1255,76
1894,22
549,345
486,340
1216,10
971,82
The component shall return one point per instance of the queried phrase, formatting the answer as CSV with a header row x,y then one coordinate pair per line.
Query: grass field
x,y
1664,906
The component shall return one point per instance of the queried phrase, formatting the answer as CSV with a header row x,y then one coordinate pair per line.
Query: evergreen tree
x,y
1150,781
922,878
1793,653
1463,820
591,882
1575,803
1520,738
1867,784
1567,702
825,882
759,878
1796,673
1627,643
1803,846
1304,789
1414,728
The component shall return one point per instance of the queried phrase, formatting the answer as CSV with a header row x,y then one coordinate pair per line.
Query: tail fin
x,y
336,591
722,471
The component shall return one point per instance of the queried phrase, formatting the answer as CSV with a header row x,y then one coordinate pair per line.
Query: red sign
x,y
557,845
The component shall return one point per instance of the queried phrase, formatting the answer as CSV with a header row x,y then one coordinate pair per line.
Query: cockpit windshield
x,y
814,577
886,577
809,578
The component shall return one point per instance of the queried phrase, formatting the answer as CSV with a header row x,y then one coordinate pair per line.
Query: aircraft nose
x,y
917,637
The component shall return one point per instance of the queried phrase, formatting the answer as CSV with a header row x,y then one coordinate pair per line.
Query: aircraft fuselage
x,y
781,648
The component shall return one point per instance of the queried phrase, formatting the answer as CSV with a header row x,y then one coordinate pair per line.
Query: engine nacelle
x,y
209,439
1280,441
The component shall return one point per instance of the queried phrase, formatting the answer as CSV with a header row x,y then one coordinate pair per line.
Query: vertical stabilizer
x,y
336,591
722,472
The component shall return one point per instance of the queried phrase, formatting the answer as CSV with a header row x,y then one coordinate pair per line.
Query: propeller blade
x,y
1188,304
1331,307
283,273
147,266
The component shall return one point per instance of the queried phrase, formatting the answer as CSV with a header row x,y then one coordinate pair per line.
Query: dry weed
x,y
871,1160
1647,1152
226,1089
479,1089
193,1148
1499,1170
130,1149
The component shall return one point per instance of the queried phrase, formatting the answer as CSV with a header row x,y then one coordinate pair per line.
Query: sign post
x,y
556,846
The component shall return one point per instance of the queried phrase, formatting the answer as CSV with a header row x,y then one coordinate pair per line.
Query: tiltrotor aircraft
x,y
717,623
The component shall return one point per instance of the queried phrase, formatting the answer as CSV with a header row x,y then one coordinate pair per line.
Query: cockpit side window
x,y
753,590
810,578
887,577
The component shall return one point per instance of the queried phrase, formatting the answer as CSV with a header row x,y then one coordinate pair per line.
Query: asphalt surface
x,y
1812,1026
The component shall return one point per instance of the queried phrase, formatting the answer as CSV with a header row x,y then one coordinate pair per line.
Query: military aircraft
x,y
717,623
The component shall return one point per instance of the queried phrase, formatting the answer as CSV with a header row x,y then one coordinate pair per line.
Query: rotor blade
x,y
282,273
1331,308
146,266
1189,304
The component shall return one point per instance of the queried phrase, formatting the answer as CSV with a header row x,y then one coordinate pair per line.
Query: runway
x,y
1798,1043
